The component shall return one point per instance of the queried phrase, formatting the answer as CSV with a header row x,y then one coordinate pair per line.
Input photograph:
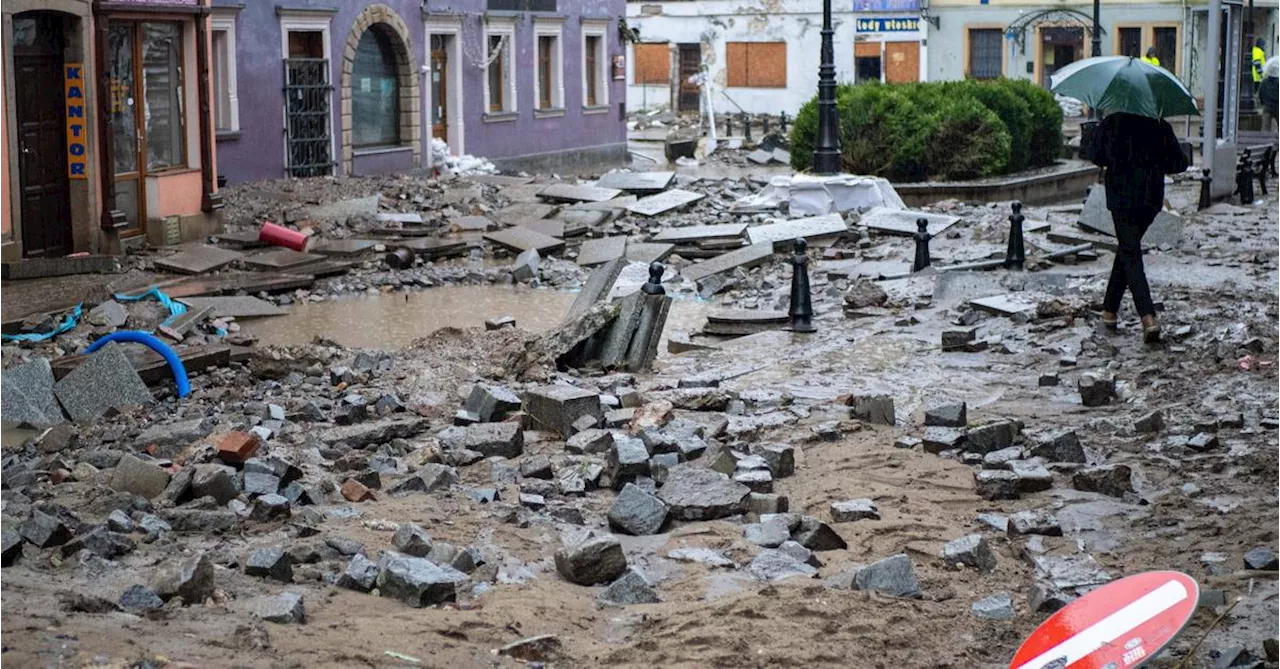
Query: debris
x,y
854,509
1113,480
284,608
775,565
894,576
556,408
630,588
534,649
1096,390
591,559
637,512
971,550
190,578
693,493
873,409
996,607
138,477
417,581
947,415
106,380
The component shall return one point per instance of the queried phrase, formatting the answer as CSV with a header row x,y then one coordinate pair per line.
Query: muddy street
x,y
570,430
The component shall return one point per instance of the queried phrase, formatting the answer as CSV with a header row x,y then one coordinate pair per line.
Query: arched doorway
x,y
379,85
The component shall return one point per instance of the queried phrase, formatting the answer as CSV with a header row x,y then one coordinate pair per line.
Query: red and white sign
x,y
1118,626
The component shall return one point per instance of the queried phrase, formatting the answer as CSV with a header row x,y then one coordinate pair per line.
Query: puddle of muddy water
x,y
391,321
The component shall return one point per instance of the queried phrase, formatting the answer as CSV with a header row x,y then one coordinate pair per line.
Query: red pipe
x,y
278,235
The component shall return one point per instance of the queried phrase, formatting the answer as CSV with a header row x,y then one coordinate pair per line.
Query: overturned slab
x,y
748,256
1008,304
664,202
647,252
431,248
903,221
344,247
340,211
104,380
403,218
578,221
522,239
524,210
1165,230
235,306
471,224
641,183
571,193
198,259
550,227
281,259
695,233
597,251
245,239
27,396
598,285
830,225
742,322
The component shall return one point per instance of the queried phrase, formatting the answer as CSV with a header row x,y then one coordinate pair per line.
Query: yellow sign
x,y
77,128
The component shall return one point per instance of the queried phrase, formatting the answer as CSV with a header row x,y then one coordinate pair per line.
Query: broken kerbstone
x,y
996,607
850,510
345,546
993,484
1059,446
774,565
947,415
694,493
1203,441
10,548
780,458
260,483
417,582
190,578
532,501
627,459
270,507
591,559
939,439
971,550
1095,390
430,477
991,437
557,408
44,530
494,439
284,608
491,403
661,464
136,476
536,467
1113,480
361,574
769,533
876,409
411,540
637,512
270,563
139,599
1000,459
216,481
1032,476
1149,423
1034,521
1261,558
630,588
756,480
101,542
894,576
817,535
592,442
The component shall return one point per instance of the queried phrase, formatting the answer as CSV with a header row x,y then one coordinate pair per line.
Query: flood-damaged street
x,y
499,421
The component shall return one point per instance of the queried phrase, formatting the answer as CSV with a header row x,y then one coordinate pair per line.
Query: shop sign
x,y
886,5
887,25
77,129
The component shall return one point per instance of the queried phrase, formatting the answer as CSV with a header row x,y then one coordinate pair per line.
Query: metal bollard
x,y
654,285
1016,256
764,125
1262,173
1206,198
728,125
400,259
782,121
800,314
1244,178
746,128
922,238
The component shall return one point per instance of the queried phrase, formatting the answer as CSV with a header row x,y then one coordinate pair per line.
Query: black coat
x,y
1136,152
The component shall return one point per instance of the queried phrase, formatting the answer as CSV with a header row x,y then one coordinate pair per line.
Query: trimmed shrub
x,y
971,142
1015,113
1045,136
883,132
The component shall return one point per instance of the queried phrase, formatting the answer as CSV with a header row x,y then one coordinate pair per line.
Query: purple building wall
x,y
574,139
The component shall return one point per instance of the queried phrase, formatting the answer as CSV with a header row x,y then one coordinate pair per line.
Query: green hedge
x,y
946,130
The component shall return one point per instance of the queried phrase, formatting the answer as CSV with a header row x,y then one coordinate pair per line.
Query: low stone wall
x,y
1068,183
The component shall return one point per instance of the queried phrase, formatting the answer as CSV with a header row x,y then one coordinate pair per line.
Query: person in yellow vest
x,y
1258,58
1150,58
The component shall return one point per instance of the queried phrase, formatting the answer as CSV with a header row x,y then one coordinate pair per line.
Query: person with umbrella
x,y
1136,147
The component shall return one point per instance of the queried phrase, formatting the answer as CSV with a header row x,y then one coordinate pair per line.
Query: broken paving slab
x,y
1008,304
524,210
875,270
903,221
1075,237
523,193
522,239
245,239
597,251
747,256
579,221
572,193
1165,230
661,203
38,268
105,380
151,367
232,283
431,248
471,224
550,227
281,259
816,227
648,252
198,259
743,322
498,180
344,247
760,157
642,183
340,211
26,395
694,233
403,218
235,306
598,285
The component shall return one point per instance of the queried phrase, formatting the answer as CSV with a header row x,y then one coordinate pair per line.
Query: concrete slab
x,y
36,268
618,339
869,269
1074,236
633,277
198,259
1008,304
432,248
245,239
742,322
903,221
598,284
550,227
647,252
525,193
693,233
643,183
344,247
748,256
571,193
340,211
597,251
578,222
105,380
281,258
760,157
26,395
522,239
235,306
523,210
1165,230
830,225
461,194
664,202
152,368
498,180
471,224
232,283
403,218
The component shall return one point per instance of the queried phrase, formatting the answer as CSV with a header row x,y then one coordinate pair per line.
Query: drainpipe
x,y
209,200
1209,121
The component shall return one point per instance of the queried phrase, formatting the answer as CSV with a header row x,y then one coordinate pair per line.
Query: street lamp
x,y
1097,29
826,155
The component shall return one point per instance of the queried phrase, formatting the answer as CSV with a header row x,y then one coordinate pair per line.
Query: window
x,y
548,86
756,64
595,79
226,106
652,63
986,60
1166,42
162,91
375,92
1131,43
499,82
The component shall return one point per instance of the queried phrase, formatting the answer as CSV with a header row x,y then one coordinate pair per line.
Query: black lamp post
x,y
1096,48
826,155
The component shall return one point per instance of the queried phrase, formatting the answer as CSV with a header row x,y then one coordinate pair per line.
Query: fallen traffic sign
x,y
1120,625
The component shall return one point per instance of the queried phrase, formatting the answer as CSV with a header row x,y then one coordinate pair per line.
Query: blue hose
x,y
139,337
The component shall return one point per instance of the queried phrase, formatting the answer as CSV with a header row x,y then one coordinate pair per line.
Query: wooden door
x,y
40,108
439,88
690,65
901,62
128,139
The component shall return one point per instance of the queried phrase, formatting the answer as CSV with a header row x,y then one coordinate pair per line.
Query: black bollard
x,y
764,125
728,125
654,285
800,315
782,121
400,258
1206,199
1267,156
1244,178
746,128
922,238
1016,256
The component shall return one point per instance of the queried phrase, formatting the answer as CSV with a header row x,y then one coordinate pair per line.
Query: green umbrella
x,y
1124,84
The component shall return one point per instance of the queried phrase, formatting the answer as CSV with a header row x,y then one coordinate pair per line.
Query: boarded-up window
x,y
653,63
756,64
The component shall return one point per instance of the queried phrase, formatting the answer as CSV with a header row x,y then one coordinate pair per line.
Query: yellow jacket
x,y
1259,57
1151,61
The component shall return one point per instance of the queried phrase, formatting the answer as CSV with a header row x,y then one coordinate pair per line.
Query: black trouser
x,y
1127,270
